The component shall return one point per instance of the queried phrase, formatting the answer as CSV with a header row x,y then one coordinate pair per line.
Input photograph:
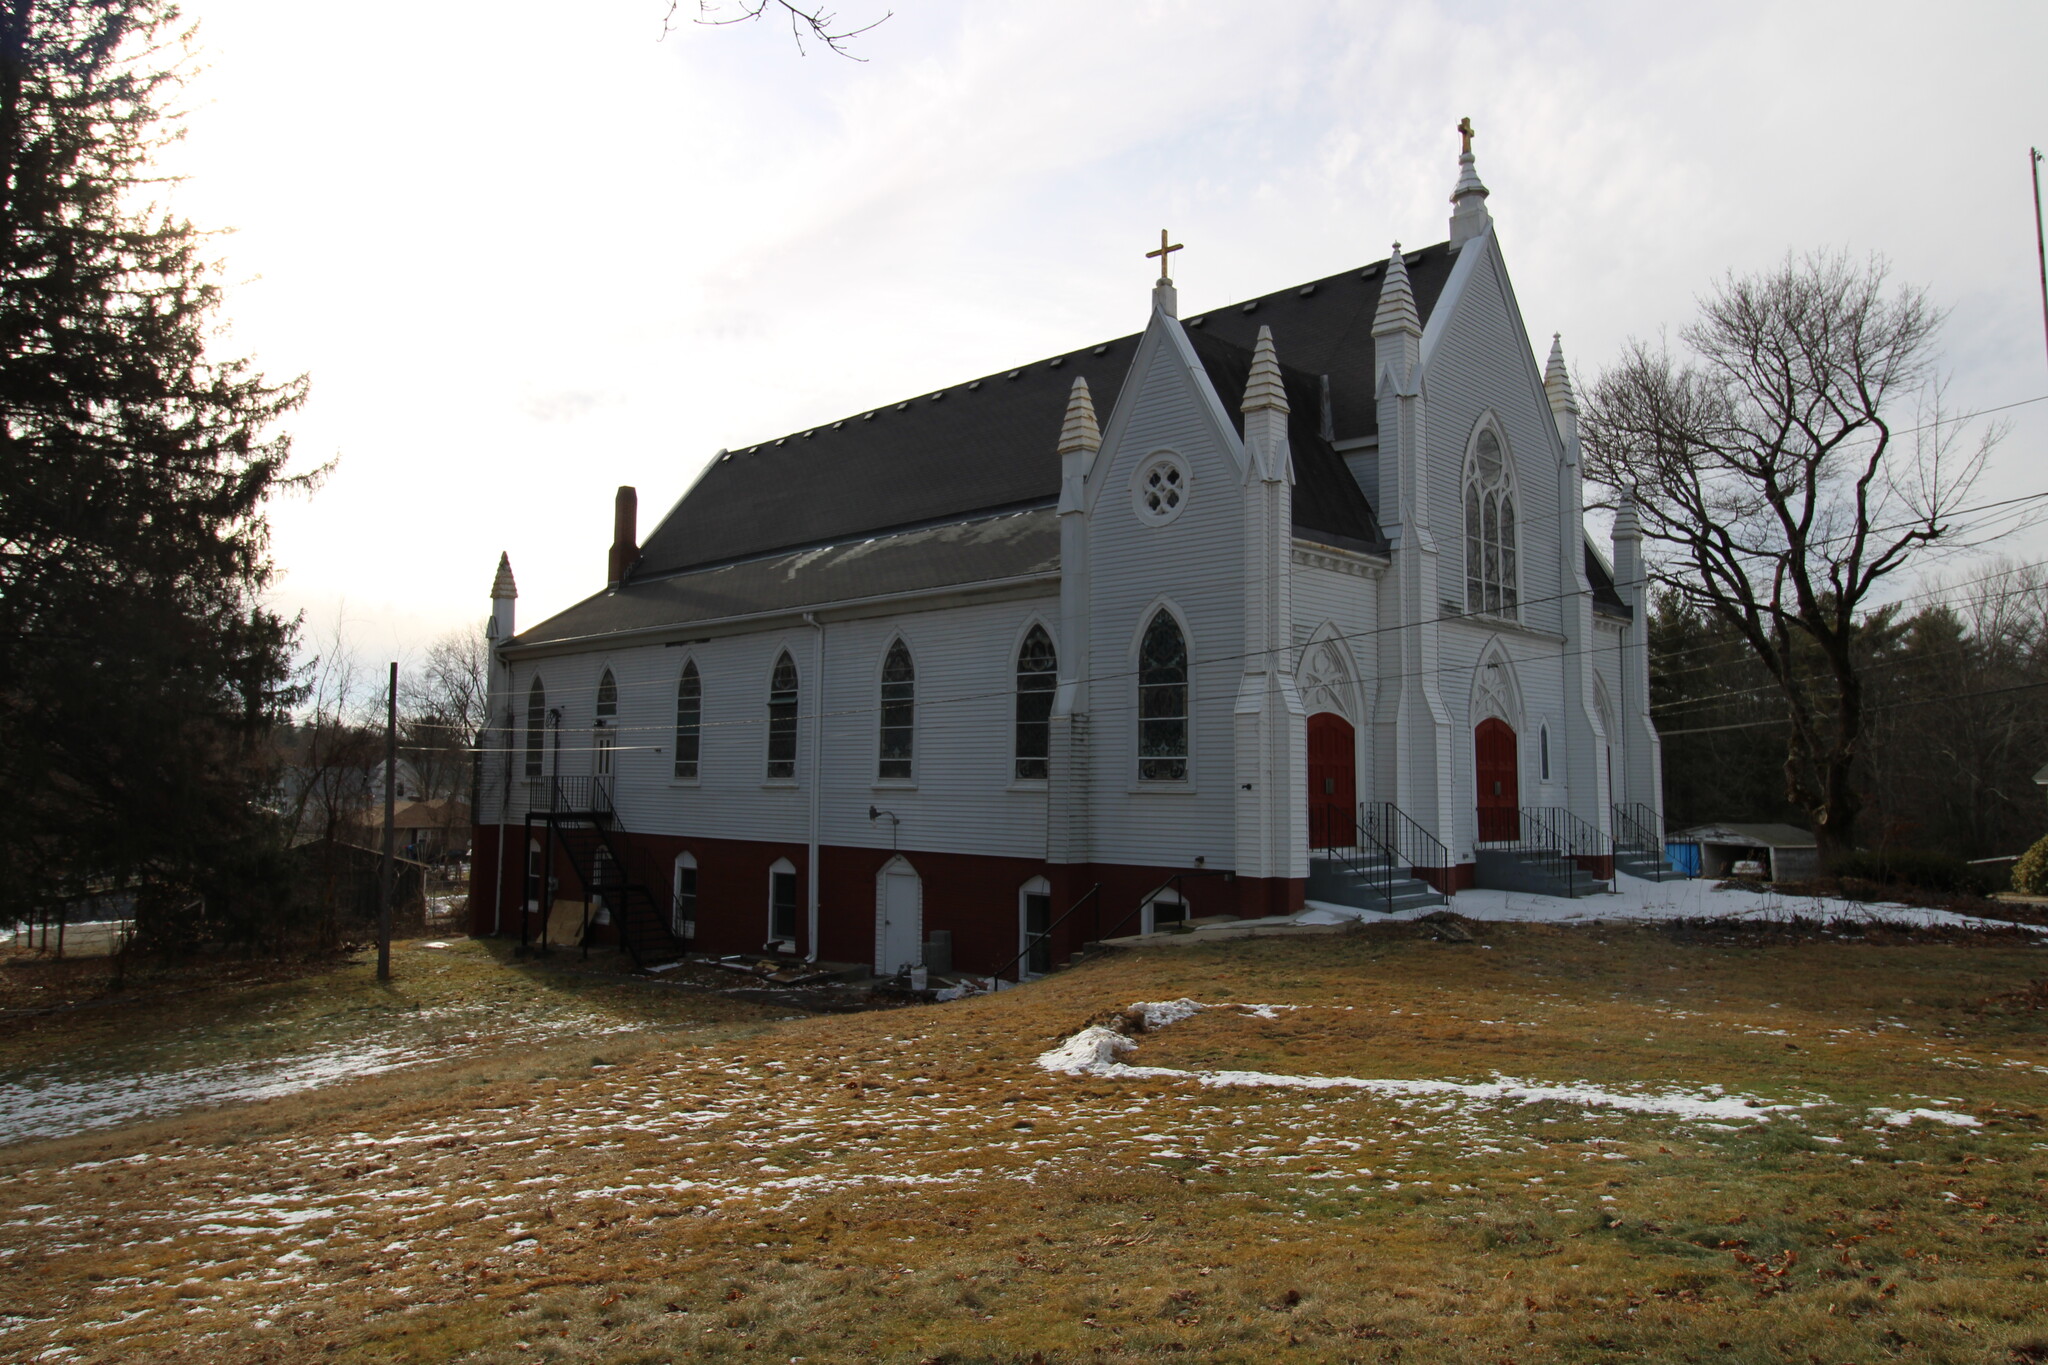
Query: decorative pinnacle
x,y
1396,312
1079,433
502,586
1469,217
1557,382
1265,391
1626,527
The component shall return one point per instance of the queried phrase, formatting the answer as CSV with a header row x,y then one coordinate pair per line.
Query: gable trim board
x,y
954,521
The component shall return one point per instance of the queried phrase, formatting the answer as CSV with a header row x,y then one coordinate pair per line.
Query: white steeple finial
x,y
1265,390
1469,217
1557,383
1397,312
1080,433
502,586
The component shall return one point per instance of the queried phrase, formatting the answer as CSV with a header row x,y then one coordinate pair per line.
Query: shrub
x,y
2030,873
1912,867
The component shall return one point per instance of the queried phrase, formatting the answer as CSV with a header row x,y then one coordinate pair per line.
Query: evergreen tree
x,y
139,672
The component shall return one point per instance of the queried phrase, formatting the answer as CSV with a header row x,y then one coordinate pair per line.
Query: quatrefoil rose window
x,y
1160,490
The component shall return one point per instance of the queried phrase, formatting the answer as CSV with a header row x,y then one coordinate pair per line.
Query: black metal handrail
x,y
1581,837
1170,884
1535,838
1046,936
1637,828
1371,861
580,794
1413,847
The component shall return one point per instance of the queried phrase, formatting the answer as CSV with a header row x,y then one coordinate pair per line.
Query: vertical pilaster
x,y
1067,807
1588,792
496,769
1269,722
1642,775
1414,747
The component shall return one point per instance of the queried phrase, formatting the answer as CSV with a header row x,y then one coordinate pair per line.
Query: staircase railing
x,y
1531,834
1032,940
1372,863
1412,846
1172,884
1581,837
1637,829
581,794
636,913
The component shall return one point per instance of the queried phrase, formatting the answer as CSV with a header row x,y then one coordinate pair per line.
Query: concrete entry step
x,y
1510,870
1358,886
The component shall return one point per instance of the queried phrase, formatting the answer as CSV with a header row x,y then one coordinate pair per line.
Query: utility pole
x,y
2040,242
390,879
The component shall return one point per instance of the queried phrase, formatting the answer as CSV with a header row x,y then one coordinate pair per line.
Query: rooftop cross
x,y
1465,127
1165,275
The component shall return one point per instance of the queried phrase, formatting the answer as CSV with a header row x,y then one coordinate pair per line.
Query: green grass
x,y
910,1186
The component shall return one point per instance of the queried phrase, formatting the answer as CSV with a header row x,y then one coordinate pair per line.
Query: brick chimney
x,y
625,535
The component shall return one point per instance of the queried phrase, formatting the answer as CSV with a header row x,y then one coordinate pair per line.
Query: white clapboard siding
x,y
1197,564
961,798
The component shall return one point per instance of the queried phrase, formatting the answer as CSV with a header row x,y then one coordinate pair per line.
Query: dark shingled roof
x,y
989,444
1606,601
1328,504
983,550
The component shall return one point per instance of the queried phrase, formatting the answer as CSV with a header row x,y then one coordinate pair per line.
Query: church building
x,y
1288,600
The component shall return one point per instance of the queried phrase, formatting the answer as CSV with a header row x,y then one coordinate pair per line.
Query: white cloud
x,y
529,252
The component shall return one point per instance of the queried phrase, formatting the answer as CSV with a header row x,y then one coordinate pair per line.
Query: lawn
x,y
1672,1144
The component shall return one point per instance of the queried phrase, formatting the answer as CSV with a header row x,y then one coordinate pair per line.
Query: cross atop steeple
x,y
1468,197
1165,275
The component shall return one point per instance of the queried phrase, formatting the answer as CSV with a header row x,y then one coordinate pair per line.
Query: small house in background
x,y
2041,779
1773,853
426,831
345,882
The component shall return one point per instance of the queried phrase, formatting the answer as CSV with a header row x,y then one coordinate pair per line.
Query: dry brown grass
x,y
911,1187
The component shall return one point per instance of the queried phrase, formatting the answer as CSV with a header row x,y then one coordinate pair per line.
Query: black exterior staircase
x,y
581,818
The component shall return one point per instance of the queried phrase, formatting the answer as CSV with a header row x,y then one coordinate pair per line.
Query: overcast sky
x,y
530,252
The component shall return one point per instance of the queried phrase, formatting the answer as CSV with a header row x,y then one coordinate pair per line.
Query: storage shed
x,y
1784,853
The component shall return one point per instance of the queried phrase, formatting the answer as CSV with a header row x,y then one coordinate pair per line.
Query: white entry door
x,y
901,907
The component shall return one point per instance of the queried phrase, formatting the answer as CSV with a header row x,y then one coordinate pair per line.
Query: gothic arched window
x,y
536,726
605,721
1163,701
782,719
689,720
899,713
1037,677
1491,573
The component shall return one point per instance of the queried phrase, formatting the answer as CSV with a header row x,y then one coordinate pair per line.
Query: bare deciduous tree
x,y
1797,458
444,707
821,24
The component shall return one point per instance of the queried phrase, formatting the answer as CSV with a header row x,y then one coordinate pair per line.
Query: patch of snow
x,y
1899,1118
1636,900
36,1105
1159,1013
1096,1051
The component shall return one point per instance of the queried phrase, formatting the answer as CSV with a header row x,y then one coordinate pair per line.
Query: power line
x,y
1886,706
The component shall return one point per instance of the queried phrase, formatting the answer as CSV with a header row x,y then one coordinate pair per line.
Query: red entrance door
x,y
1332,782
1499,781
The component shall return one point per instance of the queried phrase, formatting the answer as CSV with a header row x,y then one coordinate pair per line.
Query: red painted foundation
x,y
975,898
